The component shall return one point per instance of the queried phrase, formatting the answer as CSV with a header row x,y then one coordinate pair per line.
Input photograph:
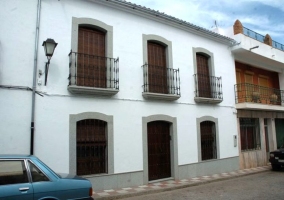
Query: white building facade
x,y
141,96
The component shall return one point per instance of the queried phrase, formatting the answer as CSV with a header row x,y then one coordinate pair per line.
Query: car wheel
x,y
276,167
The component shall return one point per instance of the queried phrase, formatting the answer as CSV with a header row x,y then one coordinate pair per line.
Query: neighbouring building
x,y
132,95
259,94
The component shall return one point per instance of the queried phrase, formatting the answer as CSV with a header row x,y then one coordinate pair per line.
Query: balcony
x,y
258,97
161,83
208,89
263,39
257,50
91,74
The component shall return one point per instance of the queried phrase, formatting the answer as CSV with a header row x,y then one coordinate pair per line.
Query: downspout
x,y
35,77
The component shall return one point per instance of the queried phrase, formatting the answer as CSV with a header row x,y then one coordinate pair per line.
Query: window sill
x,y
207,100
250,150
168,97
91,90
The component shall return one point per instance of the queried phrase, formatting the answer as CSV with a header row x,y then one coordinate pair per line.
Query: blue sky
x,y
261,16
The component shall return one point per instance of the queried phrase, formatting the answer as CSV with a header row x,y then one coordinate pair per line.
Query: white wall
x,y
128,106
17,41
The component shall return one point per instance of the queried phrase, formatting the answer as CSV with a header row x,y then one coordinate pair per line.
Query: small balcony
x,y
93,74
161,83
208,89
250,93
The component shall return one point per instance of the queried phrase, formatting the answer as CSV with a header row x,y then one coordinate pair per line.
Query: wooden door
x,y
157,68
250,89
203,75
264,89
91,147
91,61
240,88
159,158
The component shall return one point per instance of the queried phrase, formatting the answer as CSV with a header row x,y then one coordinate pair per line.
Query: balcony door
x,y
264,89
91,61
203,75
249,88
157,68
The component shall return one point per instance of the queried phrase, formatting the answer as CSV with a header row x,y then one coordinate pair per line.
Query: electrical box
x,y
235,140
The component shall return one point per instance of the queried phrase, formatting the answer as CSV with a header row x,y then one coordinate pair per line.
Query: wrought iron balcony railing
x,y
245,92
162,80
93,71
261,38
208,86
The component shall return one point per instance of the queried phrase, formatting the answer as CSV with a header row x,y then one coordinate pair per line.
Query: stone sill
x,y
168,97
92,90
259,106
207,100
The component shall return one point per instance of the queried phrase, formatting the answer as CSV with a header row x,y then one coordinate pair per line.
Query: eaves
x,y
166,19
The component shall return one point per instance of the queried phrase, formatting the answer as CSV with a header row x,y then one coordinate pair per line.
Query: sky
x,y
261,16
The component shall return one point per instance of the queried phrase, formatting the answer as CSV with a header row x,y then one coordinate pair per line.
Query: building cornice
x,y
166,19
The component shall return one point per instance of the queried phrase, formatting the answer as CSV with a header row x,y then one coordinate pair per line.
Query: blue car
x,y
28,178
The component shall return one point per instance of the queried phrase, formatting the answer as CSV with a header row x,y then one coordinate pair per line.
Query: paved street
x,y
265,185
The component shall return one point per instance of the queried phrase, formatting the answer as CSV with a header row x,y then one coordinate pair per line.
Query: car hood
x,y
281,150
70,176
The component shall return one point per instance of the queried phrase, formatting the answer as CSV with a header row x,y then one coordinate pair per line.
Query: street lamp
x,y
49,46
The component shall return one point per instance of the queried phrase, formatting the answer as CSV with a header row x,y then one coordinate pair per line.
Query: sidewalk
x,y
172,184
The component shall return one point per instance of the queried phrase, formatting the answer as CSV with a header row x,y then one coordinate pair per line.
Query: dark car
x,y
27,177
277,158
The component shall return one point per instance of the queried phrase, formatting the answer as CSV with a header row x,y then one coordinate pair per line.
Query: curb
x,y
234,174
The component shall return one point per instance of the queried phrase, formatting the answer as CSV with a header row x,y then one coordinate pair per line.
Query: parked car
x,y
277,158
28,178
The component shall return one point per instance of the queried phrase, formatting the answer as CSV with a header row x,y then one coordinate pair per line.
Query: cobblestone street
x,y
261,186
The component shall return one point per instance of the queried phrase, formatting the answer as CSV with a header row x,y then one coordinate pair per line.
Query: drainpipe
x,y
34,78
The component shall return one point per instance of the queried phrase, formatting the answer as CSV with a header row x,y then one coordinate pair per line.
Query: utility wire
x,y
20,88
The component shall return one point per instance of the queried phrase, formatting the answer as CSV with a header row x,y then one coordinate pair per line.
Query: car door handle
x,y
24,189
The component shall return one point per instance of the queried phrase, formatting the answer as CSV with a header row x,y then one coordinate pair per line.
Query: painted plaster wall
x,y
16,69
128,106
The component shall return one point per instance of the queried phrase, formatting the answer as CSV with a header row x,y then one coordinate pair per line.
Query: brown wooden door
x,y
265,93
157,68
91,61
250,89
203,75
159,159
240,88
91,147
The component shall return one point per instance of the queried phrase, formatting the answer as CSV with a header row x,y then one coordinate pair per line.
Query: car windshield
x,y
48,168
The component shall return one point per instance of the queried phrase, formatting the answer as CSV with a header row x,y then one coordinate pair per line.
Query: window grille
x,y
91,147
208,140
250,136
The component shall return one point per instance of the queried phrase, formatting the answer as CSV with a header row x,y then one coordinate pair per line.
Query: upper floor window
x,y
161,81
92,66
157,68
91,60
208,88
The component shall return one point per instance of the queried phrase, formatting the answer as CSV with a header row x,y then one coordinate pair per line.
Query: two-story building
x,y
131,95
259,94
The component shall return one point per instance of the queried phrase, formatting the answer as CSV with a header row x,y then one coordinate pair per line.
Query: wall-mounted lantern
x,y
49,46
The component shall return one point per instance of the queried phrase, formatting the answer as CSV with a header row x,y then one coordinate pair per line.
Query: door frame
x,y
173,144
